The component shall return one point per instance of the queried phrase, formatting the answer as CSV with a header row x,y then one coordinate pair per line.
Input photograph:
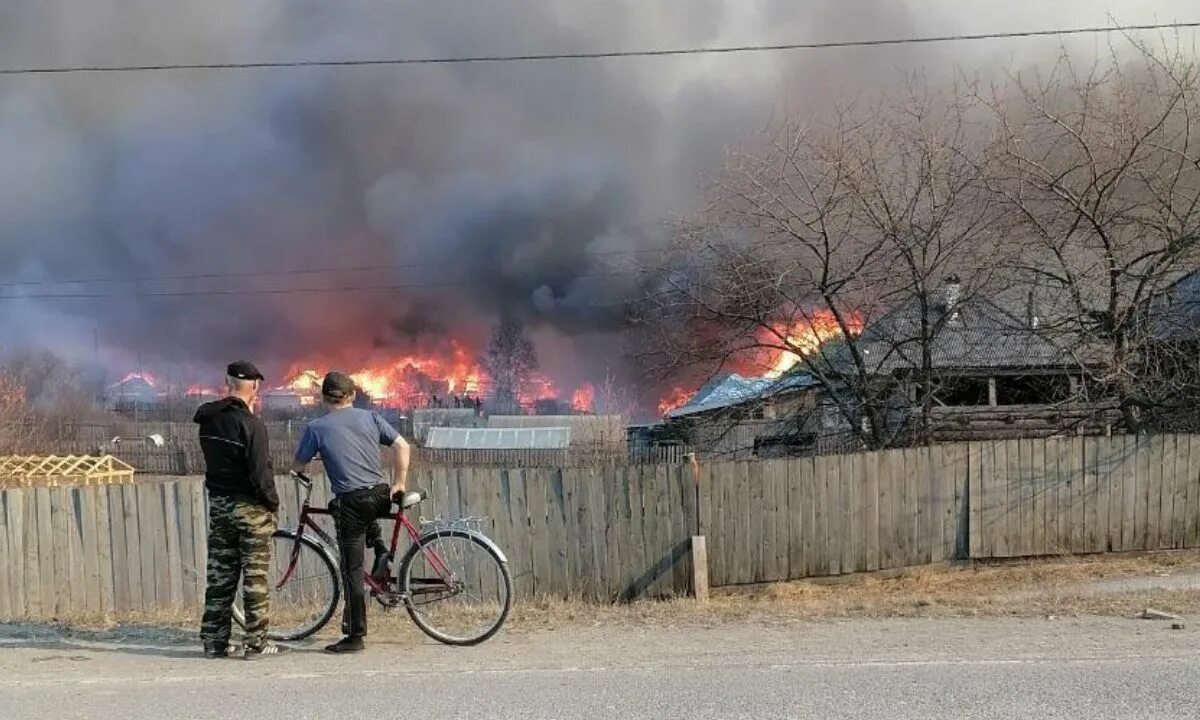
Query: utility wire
x,y
378,267
283,291
544,57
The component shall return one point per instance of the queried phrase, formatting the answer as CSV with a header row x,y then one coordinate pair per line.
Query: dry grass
x,y
1022,589
1056,587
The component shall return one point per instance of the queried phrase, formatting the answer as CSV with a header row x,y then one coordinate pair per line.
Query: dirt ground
x,y
1105,586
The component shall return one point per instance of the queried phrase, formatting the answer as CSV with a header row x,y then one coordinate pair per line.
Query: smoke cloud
x,y
472,192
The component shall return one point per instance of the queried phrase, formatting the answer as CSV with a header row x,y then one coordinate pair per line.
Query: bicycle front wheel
x,y
456,588
304,592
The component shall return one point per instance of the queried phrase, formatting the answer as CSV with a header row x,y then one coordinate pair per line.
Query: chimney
x,y
952,293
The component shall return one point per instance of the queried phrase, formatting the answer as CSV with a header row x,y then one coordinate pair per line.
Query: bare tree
x,y
40,402
511,362
821,229
1099,169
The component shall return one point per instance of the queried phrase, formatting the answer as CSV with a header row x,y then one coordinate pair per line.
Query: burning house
x,y
134,392
981,367
732,417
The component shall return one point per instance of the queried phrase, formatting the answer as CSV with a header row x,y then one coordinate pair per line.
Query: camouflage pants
x,y
239,547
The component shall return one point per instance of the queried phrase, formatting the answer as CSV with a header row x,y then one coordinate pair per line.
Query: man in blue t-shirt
x,y
348,440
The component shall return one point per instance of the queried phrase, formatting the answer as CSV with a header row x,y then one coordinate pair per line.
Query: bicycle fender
x,y
323,541
487,541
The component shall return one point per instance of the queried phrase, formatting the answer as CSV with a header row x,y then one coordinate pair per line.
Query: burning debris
x,y
423,382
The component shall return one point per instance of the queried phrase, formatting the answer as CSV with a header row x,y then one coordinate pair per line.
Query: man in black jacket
x,y
242,503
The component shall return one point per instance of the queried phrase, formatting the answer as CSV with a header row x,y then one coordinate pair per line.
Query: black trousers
x,y
355,514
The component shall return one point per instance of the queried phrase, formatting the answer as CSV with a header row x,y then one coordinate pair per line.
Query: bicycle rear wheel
x,y
307,600
456,587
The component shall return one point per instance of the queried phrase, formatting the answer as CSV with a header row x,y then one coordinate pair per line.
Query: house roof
x,y
499,439
134,388
981,334
585,429
733,389
1175,312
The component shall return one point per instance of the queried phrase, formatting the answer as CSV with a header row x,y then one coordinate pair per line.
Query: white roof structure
x,y
552,438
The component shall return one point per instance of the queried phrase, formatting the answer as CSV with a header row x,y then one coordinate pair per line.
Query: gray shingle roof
x,y
733,389
1175,313
981,335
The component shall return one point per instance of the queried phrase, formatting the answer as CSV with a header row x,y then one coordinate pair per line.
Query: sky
x,y
426,202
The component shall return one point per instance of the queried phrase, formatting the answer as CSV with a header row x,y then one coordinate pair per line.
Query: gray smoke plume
x,y
523,190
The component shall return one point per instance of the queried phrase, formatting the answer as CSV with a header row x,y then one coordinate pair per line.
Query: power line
x,y
282,291
378,267
610,54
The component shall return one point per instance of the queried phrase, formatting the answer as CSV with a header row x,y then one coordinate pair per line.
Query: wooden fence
x,y
622,531
1077,495
805,517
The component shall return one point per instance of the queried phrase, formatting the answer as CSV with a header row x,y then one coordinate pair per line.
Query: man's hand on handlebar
x,y
407,498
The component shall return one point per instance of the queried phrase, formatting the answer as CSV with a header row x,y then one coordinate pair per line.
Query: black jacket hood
x,y
209,409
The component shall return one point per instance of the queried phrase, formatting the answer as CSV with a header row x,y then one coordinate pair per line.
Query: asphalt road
x,y
1078,669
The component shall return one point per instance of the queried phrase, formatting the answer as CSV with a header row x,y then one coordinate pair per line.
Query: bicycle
x,y
431,586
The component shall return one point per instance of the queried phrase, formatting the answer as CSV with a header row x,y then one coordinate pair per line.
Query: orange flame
x,y
143,376
803,337
415,380
676,398
584,398
807,336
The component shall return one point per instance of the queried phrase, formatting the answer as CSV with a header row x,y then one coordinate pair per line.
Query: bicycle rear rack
x,y
442,525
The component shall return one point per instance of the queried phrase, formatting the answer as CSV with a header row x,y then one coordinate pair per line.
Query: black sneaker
x,y
214,651
382,569
262,651
346,645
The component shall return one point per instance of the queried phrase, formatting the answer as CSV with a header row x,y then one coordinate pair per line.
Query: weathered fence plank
x,y
1041,486
1091,508
14,510
769,507
885,535
49,578
795,518
1178,516
200,546
641,557
34,580
536,515
622,531
561,576
120,555
61,551
1192,480
90,546
590,514
171,511
1129,490
976,500
8,594
867,474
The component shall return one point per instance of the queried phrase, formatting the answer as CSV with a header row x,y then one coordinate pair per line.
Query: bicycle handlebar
x,y
303,479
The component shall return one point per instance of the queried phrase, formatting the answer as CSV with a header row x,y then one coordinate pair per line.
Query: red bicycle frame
x,y
375,585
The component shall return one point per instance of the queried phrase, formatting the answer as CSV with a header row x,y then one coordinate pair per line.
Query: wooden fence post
x,y
699,568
